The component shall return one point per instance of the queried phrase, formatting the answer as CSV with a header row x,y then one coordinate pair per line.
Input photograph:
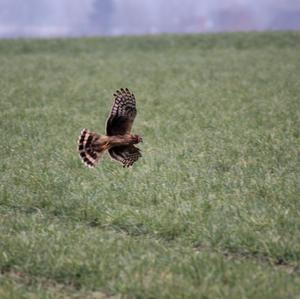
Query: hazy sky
x,y
47,18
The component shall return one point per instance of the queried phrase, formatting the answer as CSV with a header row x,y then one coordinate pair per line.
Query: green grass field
x,y
212,210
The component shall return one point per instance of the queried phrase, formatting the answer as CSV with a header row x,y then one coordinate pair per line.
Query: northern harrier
x,y
118,140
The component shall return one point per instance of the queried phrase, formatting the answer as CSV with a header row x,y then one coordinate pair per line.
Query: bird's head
x,y
138,139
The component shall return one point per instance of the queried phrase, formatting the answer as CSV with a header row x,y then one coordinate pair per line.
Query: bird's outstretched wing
x,y
122,113
127,154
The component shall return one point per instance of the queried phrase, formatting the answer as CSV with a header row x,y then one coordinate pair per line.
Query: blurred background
x,y
61,18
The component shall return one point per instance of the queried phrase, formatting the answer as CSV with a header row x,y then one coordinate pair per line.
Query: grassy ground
x,y
212,210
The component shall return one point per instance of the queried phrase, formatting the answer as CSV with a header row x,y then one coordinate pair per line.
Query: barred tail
x,y
89,148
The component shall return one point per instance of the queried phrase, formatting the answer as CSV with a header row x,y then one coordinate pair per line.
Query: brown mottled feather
x,y
127,155
122,114
91,147
120,121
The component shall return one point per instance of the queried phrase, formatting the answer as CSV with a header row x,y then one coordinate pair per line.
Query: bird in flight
x,y
118,141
